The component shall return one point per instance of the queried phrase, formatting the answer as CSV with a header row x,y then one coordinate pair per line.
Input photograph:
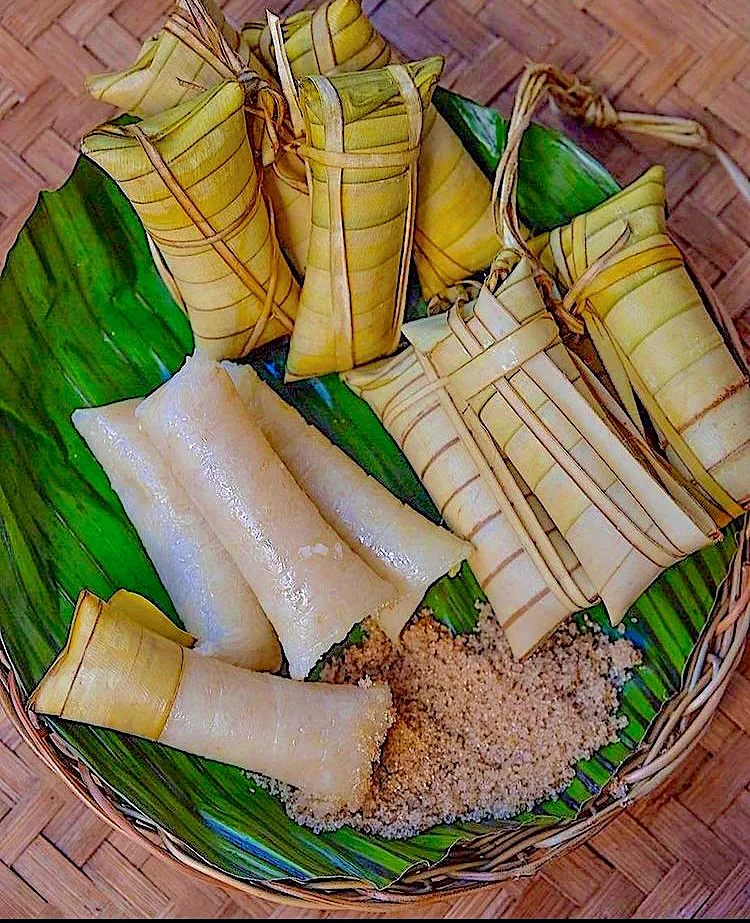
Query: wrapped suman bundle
x,y
363,139
509,377
454,233
191,177
176,63
196,49
138,675
655,336
498,423
528,582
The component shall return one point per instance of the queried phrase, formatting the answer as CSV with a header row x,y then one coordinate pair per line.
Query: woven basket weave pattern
x,y
648,59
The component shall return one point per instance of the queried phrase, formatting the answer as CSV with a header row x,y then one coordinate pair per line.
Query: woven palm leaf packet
x,y
191,176
357,553
364,132
173,65
655,337
514,395
196,49
454,234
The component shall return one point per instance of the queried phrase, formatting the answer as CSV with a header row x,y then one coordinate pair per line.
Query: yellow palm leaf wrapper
x,y
190,175
208,591
336,36
363,135
508,376
174,64
399,544
129,669
285,183
655,336
196,49
454,234
527,569
310,583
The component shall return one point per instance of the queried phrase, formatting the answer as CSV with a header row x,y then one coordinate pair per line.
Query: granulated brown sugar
x,y
477,734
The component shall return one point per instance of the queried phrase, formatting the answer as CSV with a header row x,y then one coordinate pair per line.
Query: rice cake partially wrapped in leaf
x,y
191,177
208,591
311,585
363,136
122,672
398,543
655,337
455,233
508,376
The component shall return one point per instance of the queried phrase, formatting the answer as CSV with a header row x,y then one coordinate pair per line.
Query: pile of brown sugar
x,y
477,734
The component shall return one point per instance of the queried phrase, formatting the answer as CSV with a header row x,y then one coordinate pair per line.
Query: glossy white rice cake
x,y
311,585
208,591
398,543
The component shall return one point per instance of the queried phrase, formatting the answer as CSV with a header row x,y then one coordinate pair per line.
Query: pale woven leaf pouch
x,y
454,232
190,174
625,282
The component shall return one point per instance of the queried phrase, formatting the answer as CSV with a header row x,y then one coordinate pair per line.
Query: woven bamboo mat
x,y
684,852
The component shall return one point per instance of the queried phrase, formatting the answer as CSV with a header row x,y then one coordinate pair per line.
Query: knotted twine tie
x,y
265,103
584,103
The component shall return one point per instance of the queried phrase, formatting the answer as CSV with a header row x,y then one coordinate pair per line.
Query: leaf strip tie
x,y
322,40
345,160
584,103
215,240
505,491
415,116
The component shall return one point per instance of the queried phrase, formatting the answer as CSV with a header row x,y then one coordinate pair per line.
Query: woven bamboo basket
x,y
507,853
490,859
487,860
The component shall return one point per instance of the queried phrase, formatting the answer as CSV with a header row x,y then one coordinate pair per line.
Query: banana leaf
x,y
85,319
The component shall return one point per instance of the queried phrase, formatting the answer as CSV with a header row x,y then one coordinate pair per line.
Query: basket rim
x,y
489,859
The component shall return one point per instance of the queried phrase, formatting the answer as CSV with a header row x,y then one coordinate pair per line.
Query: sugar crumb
x,y
477,734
